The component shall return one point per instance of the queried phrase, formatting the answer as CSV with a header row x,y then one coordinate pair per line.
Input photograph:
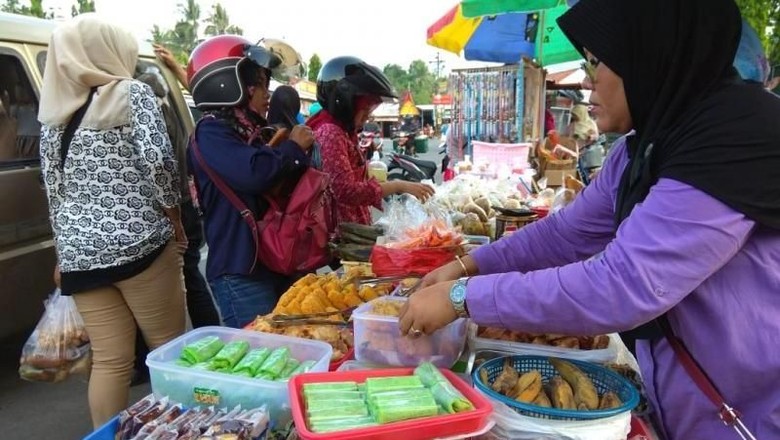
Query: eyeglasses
x,y
589,66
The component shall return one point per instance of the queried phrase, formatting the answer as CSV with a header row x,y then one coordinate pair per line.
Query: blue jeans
x,y
241,298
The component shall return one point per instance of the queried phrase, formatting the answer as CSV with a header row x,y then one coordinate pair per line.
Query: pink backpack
x,y
289,238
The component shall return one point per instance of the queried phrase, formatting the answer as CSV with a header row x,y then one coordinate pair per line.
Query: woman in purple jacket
x,y
682,222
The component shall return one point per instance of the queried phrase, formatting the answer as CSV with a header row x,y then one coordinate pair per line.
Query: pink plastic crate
x,y
514,155
419,429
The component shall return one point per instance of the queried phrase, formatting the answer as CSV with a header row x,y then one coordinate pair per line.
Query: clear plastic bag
x,y
563,197
404,214
510,424
59,346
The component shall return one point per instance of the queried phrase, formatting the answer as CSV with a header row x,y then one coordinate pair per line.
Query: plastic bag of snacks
x,y
59,346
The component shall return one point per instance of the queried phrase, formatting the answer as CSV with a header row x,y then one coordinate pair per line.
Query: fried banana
x,y
585,394
528,386
561,394
610,400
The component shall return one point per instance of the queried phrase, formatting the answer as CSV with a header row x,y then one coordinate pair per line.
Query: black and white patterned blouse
x,y
106,204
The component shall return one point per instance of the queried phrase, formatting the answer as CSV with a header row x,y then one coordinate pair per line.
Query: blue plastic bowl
x,y
604,380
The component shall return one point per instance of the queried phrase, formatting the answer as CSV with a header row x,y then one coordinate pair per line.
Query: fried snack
x,y
368,293
506,381
610,400
352,299
385,307
483,375
561,393
585,395
566,342
542,400
337,300
528,386
600,342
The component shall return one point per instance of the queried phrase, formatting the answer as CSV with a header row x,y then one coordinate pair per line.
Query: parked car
x,y
27,255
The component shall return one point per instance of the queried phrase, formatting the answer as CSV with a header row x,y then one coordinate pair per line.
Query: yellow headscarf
x,y
88,52
584,127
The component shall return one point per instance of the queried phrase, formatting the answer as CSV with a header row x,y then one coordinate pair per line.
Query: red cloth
x,y
354,192
549,121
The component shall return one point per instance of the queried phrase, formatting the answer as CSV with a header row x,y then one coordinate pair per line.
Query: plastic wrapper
x,y
335,412
563,197
390,262
252,362
134,424
206,366
274,364
323,395
317,405
404,213
388,396
202,350
126,416
230,355
159,424
59,346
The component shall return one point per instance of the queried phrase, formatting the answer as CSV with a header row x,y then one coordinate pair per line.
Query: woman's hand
x,y
182,242
422,191
427,310
165,55
303,136
448,272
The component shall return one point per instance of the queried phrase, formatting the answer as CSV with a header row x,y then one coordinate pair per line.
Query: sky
x,y
380,32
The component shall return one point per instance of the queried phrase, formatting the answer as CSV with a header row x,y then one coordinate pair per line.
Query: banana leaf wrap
x,y
429,374
377,384
230,355
265,376
342,424
289,367
333,386
316,405
412,402
330,395
304,367
336,412
274,364
397,413
206,366
252,361
450,398
202,350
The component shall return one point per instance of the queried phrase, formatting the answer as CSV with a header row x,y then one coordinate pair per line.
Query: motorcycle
x,y
411,169
405,141
370,142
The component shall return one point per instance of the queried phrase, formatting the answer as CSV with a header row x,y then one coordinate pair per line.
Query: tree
x,y
82,6
418,79
764,15
315,64
219,22
183,38
34,10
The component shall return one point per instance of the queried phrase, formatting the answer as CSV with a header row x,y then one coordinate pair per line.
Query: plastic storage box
x,y
378,340
449,425
608,354
197,387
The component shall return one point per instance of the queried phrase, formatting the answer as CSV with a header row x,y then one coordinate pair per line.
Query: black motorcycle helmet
x,y
342,79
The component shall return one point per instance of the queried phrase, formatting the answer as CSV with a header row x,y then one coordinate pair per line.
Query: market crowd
x,y
680,229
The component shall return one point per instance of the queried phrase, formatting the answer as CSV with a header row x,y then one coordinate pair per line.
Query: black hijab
x,y
696,122
284,107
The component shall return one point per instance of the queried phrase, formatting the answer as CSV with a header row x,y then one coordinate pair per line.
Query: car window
x,y
20,131
40,59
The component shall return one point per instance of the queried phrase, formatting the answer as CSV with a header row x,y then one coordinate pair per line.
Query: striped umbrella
x,y
507,31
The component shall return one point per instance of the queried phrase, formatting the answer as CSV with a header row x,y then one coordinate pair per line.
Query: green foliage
x,y
82,6
764,17
219,23
418,79
315,64
35,9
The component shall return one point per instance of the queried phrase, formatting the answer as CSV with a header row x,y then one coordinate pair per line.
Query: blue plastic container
x,y
604,380
105,432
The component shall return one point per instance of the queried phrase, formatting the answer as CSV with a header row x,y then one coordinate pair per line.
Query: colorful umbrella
x,y
507,37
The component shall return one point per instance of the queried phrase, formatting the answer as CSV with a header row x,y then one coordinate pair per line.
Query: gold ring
x,y
415,332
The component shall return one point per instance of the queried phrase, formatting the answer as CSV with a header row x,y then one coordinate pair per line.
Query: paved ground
x,y
59,411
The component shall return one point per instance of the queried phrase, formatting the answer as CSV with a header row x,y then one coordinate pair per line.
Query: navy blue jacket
x,y
250,170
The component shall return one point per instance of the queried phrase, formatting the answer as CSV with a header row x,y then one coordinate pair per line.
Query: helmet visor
x,y
261,57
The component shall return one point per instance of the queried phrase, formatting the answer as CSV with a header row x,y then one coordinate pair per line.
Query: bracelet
x,y
462,265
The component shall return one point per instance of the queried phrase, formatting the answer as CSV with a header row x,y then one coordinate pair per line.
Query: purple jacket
x,y
715,271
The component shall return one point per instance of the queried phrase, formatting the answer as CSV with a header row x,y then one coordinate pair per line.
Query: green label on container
x,y
206,396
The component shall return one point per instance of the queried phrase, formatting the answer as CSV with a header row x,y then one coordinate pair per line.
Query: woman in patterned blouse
x,y
349,90
113,199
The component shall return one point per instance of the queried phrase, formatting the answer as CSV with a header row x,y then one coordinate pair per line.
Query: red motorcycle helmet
x,y
213,70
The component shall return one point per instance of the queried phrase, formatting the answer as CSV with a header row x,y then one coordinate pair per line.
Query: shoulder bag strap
x,y
73,124
729,415
230,195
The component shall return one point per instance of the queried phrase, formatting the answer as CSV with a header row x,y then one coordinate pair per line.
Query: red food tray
x,y
418,429
640,430
334,365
